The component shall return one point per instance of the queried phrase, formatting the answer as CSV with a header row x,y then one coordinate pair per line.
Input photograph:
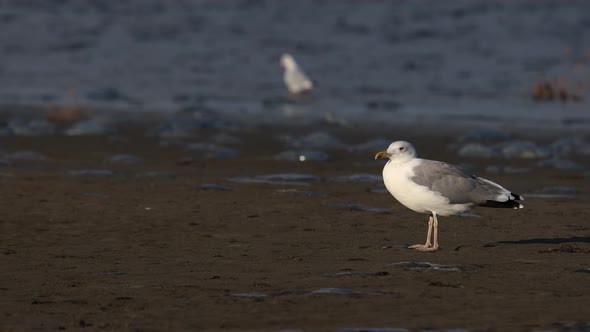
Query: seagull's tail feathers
x,y
517,197
511,204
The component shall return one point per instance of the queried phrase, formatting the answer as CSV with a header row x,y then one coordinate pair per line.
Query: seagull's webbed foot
x,y
420,247
424,248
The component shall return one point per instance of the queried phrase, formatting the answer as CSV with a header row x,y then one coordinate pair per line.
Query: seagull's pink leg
x,y
424,247
429,234
434,246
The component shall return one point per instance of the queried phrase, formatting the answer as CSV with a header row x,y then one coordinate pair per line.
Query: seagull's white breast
x,y
397,179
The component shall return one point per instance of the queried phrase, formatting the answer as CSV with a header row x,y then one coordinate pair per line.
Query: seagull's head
x,y
288,62
399,151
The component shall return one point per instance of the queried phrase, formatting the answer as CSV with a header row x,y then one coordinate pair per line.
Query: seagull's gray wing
x,y
457,185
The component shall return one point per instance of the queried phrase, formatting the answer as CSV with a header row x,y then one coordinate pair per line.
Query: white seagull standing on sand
x,y
437,188
294,78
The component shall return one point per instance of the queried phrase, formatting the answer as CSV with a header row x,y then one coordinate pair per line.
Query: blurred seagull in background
x,y
295,79
437,188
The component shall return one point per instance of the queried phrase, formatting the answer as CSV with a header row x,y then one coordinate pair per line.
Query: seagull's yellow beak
x,y
382,154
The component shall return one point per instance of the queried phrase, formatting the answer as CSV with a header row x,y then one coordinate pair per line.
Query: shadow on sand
x,y
557,240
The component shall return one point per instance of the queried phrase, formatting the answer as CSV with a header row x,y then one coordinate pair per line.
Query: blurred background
x,y
518,63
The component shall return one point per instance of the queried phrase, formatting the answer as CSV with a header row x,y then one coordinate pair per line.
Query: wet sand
x,y
160,253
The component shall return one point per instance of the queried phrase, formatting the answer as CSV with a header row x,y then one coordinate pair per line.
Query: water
x,y
451,61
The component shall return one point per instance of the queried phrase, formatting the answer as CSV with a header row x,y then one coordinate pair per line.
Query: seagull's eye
x,y
402,148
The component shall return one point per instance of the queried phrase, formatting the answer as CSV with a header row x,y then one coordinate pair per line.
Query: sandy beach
x,y
169,242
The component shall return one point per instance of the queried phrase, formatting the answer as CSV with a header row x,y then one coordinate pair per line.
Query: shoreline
x,y
379,123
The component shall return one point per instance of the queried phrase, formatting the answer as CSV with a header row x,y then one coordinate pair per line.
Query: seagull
x,y
294,78
438,188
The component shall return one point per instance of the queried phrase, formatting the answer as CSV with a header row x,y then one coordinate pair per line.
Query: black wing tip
x,y
517,197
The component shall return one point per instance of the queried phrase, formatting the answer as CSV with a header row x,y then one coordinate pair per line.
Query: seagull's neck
x,y
401,161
